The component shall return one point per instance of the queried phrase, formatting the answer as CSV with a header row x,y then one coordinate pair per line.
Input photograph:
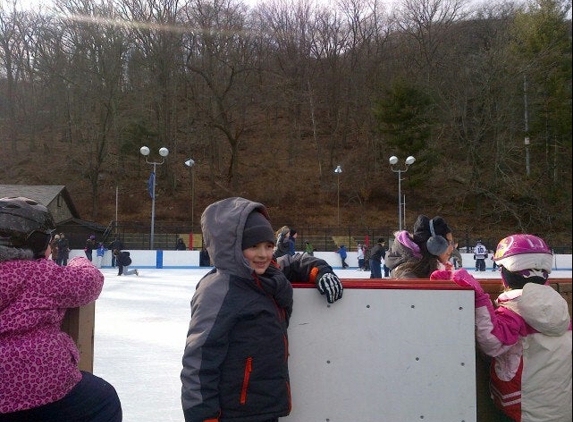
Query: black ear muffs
x,y
38,241
436,244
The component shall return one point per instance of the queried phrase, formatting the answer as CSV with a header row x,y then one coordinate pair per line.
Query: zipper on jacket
x,y
289,397
281,312
246,378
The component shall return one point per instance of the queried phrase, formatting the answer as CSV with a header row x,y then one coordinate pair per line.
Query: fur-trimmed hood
x,y
10,254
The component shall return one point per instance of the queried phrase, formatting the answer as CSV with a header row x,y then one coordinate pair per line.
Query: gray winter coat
x,y
235,360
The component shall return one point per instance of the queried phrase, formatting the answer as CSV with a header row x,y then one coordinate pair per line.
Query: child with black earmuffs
x,y
419,254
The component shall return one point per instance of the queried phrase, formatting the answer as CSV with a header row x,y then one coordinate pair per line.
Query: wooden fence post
x,y
79,324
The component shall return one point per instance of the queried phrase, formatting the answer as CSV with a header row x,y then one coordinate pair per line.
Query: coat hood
x,y
542,308
403,249
223,224
9,254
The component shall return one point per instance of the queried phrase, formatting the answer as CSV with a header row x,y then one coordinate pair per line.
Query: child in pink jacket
x,y
528,334
39,377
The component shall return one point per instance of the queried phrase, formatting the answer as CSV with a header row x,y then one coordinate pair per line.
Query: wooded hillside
x,y
268,101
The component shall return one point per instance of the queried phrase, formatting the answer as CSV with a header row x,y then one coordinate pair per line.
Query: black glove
x,y
330,285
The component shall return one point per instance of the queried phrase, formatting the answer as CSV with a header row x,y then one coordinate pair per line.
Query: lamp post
x,y
393,161
164,152
116,208
338,170
190,163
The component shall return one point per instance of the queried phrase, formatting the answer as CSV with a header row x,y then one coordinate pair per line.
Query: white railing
x,y
190,259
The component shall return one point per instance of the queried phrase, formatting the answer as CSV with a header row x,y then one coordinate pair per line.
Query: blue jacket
x,y
101,250
291,246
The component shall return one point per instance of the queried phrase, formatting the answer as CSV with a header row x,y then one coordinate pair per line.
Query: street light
x,y
190,163
164,152
393,161
338,170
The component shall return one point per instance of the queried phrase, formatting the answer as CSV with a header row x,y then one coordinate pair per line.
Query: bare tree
x,y
11,55
290,28
426,24
93,53
218,58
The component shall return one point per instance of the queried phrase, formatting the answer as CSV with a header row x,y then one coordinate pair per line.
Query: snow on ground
x,y
140,328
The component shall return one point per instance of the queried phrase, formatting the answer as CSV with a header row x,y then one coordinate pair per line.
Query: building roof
x,y
83,223
44,194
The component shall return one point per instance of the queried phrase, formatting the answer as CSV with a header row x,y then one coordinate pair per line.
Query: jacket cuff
x,y
313,276
482,300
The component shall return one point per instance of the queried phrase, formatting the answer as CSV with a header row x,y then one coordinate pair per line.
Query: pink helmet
x,y
520,252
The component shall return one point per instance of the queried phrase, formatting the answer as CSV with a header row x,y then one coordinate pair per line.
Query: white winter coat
x,y
529,338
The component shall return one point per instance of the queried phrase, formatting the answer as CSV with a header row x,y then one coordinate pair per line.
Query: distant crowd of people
x,y
120,258
60,249
370,258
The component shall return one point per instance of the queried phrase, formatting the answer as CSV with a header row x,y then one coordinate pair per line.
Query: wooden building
x,y
58,200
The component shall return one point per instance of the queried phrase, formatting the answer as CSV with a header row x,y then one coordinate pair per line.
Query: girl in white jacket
x,y
528,335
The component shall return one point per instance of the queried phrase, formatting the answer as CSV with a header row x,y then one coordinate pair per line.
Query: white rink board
x,y
383,356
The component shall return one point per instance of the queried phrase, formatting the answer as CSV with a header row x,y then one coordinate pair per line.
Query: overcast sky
x,y
27,4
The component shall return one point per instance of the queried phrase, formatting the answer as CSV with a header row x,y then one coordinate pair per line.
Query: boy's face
x,y
259,256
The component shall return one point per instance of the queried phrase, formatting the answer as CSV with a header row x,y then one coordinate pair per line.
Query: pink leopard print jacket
x,y
38,362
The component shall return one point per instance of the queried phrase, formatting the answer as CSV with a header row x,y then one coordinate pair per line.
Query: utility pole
x,y
526,141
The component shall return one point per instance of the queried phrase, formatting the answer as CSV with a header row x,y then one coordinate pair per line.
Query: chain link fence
x,y
136,235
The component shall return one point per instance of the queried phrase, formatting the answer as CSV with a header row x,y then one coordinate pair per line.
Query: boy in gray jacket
x,y
235,360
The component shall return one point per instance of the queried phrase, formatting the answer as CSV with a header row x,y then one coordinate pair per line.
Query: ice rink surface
x,y
140,329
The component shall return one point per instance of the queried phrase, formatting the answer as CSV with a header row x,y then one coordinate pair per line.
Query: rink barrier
x,y
79,324
170,259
